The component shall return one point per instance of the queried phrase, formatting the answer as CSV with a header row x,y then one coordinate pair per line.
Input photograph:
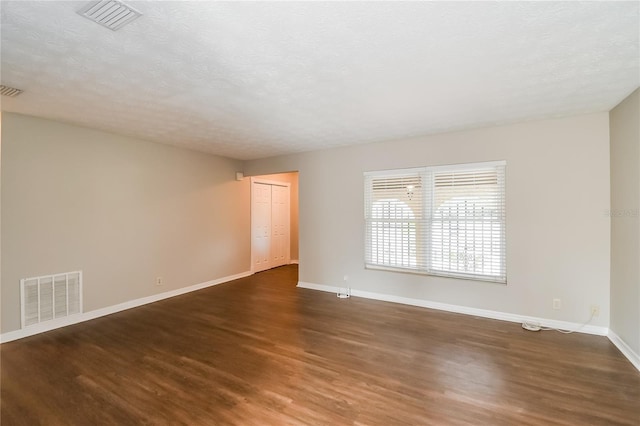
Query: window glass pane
x,y
466,228
393,233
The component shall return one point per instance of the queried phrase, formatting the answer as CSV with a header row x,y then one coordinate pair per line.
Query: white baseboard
x,y
625,349
504,316
86,316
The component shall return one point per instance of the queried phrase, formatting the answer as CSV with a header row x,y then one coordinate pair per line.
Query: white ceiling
x,y
252,80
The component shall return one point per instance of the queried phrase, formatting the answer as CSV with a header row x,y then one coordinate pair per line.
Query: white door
x,y
280,241
270,241
261,226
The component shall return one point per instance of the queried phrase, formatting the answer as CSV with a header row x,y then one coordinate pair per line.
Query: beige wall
x,y
122,210
558,235
1,114
625,220
292,178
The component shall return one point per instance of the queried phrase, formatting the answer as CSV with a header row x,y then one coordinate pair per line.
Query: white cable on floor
x,y
532,326
568,331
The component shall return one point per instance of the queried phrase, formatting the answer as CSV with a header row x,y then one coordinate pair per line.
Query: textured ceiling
x,y
252,80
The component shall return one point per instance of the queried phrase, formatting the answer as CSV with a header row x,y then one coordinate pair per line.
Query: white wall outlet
x,y
595,310
346,278
159,281
557,304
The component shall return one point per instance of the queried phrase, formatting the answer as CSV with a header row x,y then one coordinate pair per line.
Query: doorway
x,y
270,224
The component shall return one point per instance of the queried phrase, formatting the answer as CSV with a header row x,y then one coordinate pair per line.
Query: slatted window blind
x,y
445,220
395,223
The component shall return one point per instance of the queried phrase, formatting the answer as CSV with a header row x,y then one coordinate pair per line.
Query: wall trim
x,y
485,313
294,262
86,316
626,350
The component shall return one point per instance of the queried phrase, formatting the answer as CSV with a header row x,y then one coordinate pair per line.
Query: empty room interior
x,y
320,213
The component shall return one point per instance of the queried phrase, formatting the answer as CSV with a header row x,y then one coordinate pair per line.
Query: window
x,y
393,233
445,220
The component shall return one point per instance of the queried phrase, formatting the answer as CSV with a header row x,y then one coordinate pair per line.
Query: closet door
x,y
280,240
270,224
260,226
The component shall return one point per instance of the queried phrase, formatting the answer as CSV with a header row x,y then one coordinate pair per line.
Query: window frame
x,y
425,264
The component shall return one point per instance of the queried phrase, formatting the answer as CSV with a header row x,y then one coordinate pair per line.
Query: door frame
x,y
263,181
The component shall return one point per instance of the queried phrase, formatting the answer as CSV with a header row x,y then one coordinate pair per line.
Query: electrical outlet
x,y
159,281
595,310
557,304
346,278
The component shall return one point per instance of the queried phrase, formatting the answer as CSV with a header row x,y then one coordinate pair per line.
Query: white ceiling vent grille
x,y
9,91
112,14
50,297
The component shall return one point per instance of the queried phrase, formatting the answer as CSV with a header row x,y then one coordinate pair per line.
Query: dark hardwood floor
x,y
259,351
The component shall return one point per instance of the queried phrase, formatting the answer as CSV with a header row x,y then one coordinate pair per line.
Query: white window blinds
x,y
395,220
446,220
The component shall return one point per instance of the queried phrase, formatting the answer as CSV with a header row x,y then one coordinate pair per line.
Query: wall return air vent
x,y
50,297
112,14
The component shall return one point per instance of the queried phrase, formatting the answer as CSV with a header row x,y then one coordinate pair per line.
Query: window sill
x,y
436,274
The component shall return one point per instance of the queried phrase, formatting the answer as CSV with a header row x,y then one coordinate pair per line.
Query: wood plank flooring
x,y
259,351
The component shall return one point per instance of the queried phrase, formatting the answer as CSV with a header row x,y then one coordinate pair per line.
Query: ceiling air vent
x,y
112,14
9,91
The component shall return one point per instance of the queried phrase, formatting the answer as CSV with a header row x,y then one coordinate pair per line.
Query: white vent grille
x,y
9,91
50,297
112,14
